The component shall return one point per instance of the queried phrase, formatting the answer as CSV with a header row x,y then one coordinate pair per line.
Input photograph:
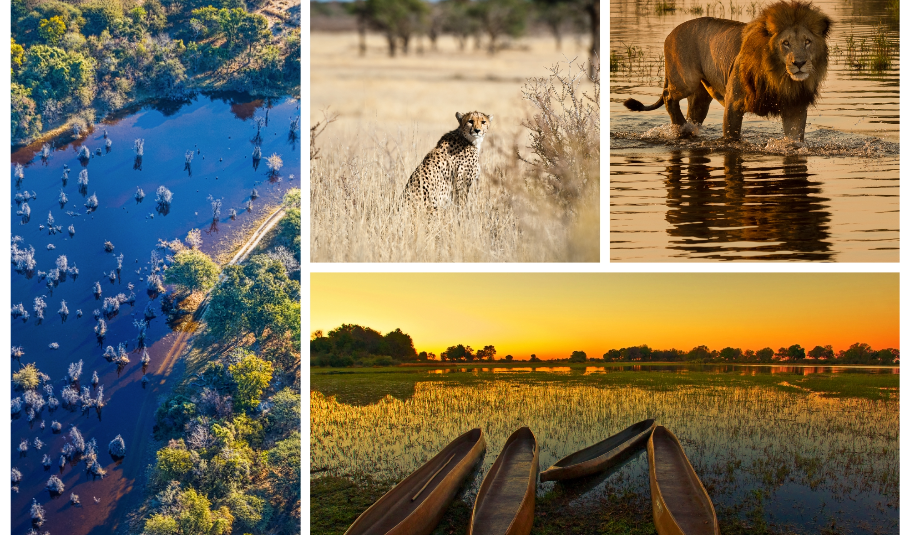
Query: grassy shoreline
x,y
368,385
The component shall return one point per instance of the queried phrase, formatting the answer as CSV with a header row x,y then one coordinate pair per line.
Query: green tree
x,y
52,30
399,345
822,353
509,358
196,516
252,376
397,19
487,353
17,54
285,412
173,461
859,353
499,18
730,354
534,358
699,354
24,117
796,352
192,271
53,73
765,355
101,15
458,353
255,298
284,470
253,29
578,356
247,510
288,231
161,524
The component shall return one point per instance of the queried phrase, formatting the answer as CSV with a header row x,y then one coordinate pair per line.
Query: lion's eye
x,y
807,42
787,43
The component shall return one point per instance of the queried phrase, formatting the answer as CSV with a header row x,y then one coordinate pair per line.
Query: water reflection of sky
x,y
226,172
794,448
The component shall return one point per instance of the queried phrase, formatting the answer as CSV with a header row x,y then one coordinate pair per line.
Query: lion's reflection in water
x,y
769,210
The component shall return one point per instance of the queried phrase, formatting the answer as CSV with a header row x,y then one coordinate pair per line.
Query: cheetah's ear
x,y
458,116
490,117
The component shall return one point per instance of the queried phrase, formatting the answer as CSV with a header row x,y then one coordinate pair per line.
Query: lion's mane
x,y
763,75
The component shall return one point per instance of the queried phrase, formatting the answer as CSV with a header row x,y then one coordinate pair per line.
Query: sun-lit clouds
x,y
552,314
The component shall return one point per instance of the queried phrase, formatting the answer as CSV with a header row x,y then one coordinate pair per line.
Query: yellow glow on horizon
x,y
553,314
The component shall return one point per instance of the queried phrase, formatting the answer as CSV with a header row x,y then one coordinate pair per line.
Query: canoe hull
x,y
435,484
602,455
516,467
679,502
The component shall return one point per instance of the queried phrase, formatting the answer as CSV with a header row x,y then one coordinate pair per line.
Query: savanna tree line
x,y
401,21
73,61
858,353
354,345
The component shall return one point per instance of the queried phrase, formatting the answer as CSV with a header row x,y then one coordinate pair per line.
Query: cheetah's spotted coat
x,y
446,174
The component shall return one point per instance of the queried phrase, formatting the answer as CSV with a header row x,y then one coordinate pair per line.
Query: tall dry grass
x,y
543,207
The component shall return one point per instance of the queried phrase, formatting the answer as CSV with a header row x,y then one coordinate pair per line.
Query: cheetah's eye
x,y
483,122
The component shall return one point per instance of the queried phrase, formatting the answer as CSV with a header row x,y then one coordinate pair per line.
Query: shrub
x,y
27,378
192,271
117,447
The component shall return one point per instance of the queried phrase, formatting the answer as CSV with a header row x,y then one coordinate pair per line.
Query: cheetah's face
x,y
474,125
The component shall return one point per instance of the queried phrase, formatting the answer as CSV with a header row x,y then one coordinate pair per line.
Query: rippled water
x,y
675,200
798,460
220,127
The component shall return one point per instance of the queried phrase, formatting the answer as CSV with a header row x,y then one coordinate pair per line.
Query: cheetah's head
x,y
474,125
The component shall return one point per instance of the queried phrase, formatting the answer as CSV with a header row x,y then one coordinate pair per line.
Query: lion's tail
x,y
635,105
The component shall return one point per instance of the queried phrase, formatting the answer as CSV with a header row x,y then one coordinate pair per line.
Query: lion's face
x,y
474,125
797,46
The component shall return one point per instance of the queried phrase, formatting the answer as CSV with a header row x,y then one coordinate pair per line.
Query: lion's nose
x,y
799,64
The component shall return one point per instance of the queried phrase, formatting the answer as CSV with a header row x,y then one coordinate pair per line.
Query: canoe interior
x,y
604,446
680,487
396,505
508,487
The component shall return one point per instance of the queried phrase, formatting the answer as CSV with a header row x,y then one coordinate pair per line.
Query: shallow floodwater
x,y
800,461
697,199
220,127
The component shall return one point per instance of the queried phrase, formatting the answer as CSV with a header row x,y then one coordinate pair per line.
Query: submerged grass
x,y
368,385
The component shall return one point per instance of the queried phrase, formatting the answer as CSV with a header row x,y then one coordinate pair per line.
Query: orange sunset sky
x,y
553,314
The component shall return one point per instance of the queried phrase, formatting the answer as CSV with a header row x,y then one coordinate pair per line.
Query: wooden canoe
x,y
415,506
602,455
679,501
505,501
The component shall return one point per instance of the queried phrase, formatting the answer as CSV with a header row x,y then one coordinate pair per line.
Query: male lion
x,y
771,66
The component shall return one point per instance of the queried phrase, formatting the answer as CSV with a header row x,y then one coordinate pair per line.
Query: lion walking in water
x,y
772,66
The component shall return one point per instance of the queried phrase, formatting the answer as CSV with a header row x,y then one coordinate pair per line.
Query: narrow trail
x,y
163,381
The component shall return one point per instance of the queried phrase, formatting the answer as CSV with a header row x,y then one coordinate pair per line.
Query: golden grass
x,y
391,112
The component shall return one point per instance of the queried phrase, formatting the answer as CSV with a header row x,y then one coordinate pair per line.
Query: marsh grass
x,y
745,442
875,52
356,213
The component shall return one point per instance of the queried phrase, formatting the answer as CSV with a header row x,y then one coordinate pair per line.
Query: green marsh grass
x,y
746,435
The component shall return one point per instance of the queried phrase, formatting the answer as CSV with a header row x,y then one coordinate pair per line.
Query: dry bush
x,y
540,209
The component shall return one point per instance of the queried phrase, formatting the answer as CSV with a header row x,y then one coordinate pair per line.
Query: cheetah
x,y
446,174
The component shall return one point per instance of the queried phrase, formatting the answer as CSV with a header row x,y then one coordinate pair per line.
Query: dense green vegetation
x,y
192,271
229,461
71,64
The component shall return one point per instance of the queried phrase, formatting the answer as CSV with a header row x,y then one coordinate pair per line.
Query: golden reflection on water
x,y
737,438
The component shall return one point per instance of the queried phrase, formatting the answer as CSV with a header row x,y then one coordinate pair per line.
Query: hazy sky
x,y
553,314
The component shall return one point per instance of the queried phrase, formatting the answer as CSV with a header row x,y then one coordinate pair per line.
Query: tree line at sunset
x,y
350,345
